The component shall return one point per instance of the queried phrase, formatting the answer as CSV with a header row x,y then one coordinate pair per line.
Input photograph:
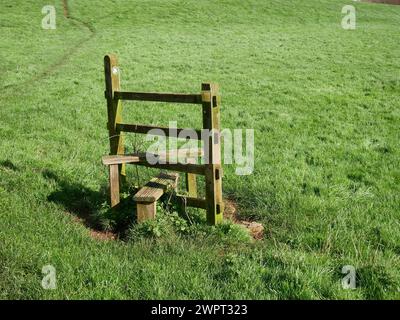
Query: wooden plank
x,y
217,167
162,131
191,183
159,97
145,211
193,202
213,172
156,187
114,107
114,185
180,154
184,152
119,159
190,168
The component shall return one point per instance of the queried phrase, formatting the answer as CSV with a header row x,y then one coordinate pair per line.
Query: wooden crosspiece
x,y
146,198
209,99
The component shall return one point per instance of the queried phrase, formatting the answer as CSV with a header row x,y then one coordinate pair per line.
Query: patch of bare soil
x,y
102,235
93,232
254,228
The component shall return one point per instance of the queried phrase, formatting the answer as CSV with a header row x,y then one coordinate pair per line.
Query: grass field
x,y
324,104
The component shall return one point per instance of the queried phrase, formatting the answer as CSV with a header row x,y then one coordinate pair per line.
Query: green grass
x,y
324,104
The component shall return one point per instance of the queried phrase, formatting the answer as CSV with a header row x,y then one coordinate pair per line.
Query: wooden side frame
x,y
114,112
212,149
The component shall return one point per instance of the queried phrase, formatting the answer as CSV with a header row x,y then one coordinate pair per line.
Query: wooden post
x,y
191,183
114,111
114,184
213,173
146,211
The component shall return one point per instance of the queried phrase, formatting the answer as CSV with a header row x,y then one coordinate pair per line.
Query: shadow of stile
x,y
91,207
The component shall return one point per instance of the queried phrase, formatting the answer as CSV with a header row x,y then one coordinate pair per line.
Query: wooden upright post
x,y
212,144
114,184
191,181
114,111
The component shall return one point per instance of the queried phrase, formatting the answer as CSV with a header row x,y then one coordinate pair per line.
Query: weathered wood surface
x,y
114,185
179,155
114,107
191,180
119,159
159,97
159,130
146,211
213,170
189,168
156,187
193,202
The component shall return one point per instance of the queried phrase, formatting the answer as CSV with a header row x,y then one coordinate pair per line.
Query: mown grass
x,y
324,105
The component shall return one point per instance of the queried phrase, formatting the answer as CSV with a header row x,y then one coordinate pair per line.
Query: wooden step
x,y
119,159
156,187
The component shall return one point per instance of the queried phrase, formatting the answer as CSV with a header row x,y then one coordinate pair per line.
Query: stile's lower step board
x,y
156,187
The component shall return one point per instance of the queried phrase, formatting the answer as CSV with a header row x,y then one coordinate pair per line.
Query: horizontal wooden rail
x,y
120,159
188,168
142,161
193,202
159,97
165,131
167,155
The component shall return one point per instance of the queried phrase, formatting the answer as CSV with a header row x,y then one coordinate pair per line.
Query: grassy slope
x,y
322,101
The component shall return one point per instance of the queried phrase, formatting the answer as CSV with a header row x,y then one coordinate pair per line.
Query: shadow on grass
x,y
91,208
375,281
7,164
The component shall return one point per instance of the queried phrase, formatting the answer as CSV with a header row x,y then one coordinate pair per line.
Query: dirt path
x,y
64,58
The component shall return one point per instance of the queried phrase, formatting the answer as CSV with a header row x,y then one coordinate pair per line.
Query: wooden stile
x,y
211,168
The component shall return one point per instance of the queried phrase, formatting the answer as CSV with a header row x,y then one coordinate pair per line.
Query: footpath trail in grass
x,y
323,102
